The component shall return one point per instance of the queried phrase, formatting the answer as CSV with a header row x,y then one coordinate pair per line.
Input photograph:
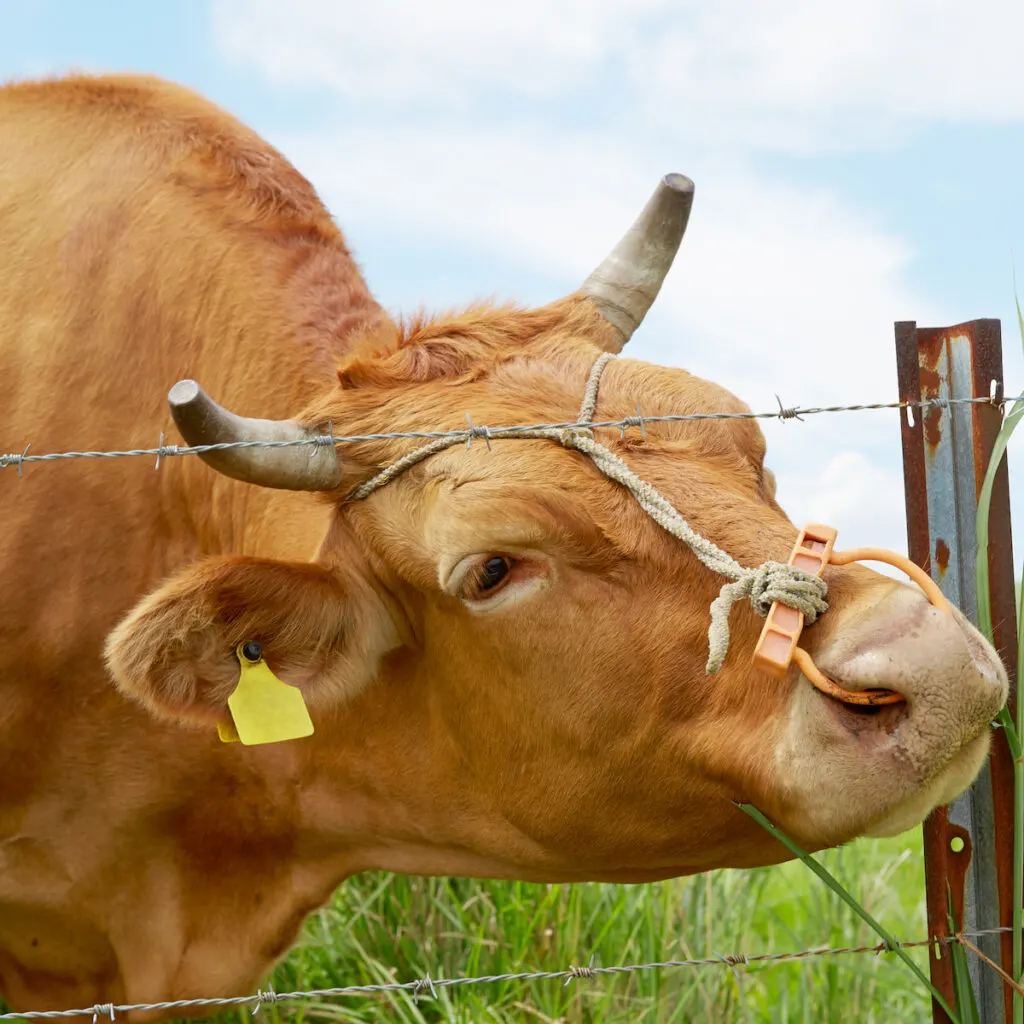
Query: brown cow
x,y
503,656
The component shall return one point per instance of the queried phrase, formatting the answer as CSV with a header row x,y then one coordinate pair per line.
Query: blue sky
x,y
855,165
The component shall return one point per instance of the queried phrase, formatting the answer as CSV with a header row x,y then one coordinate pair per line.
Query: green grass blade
x,y
1018,790
1010,424
1013,733
963,988
836,886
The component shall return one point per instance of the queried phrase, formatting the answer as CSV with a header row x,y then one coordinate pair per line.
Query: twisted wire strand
x,y
467,434
431,984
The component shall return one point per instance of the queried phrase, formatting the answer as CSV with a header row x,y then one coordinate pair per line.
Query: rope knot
x,y
576,438
776,581
763,586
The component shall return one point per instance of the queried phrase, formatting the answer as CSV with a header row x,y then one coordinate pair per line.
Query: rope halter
x,y
769,582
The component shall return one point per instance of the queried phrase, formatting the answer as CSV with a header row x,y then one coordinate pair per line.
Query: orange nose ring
x,y
777,646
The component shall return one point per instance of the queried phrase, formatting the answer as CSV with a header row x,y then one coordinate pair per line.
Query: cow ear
x,y
175,651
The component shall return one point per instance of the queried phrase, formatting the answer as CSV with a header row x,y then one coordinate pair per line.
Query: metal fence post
x,y
946,451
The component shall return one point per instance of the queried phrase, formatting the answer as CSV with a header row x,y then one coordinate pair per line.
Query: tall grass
x,y
381,928
389,928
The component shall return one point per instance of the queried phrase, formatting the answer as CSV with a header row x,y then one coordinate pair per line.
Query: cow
x,y
503,656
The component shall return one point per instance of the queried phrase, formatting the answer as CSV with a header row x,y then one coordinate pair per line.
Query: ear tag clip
x,y
263,708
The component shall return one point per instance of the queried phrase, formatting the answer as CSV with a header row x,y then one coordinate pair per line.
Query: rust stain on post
x,y
930,387
930,381
933,428
930,344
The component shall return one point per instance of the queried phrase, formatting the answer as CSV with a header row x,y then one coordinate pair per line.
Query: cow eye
x,y
486,578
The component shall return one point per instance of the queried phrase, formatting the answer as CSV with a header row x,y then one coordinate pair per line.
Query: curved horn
x,y
626,284
299,468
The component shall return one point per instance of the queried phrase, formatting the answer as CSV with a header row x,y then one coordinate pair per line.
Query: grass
x,y
890,943
383,928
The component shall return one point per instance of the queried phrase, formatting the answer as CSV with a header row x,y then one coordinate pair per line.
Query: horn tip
x,y
678,182
184,393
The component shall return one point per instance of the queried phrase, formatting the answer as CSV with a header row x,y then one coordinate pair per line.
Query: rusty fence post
x,y
946,451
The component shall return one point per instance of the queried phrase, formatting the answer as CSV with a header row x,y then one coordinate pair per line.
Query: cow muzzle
x,y
880,769
934,659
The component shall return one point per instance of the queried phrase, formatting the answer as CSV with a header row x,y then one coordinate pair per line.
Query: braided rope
x,y
763,585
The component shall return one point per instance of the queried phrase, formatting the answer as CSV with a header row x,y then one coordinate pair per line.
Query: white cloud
x,y
800,75
806,74
450,49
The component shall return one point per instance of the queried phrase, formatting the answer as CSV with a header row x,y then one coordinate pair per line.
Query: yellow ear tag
x,y
226,730
263,708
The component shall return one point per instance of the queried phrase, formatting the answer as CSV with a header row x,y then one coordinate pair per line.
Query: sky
x,y
855,165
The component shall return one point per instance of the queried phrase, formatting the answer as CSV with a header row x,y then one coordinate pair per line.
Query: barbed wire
x,y
427,984
161,451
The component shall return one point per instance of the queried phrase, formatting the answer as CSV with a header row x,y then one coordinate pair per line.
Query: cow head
x,y
505,655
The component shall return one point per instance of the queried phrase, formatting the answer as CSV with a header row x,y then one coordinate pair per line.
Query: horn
x,y
298,468
626,284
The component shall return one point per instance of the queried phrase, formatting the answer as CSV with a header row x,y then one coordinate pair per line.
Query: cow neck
x,y
762,586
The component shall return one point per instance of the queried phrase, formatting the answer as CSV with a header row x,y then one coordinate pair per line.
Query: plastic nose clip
x,y
777,646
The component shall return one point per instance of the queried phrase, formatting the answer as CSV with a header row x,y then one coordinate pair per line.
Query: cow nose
x,y
938,662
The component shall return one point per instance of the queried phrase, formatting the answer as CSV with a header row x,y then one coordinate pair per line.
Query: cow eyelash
x,y
486,578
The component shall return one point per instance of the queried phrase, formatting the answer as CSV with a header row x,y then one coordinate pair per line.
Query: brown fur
x,y
150,237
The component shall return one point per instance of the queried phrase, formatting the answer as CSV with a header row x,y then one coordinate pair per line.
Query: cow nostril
x,y
865,719
863,710
869,697
859,710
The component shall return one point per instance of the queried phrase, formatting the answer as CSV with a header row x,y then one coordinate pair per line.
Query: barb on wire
x,y
417,987
163,451
268,996
575,972
787,412
423,984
